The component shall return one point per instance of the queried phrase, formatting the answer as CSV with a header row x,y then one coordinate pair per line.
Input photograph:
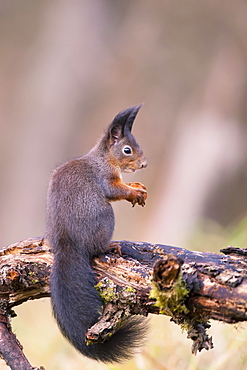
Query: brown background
x,y
68,66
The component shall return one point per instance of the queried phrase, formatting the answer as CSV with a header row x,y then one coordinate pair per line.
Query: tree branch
x,y
190,287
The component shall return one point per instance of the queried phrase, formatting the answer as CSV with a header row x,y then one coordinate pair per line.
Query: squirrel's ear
x,y
131,115
122,123
115,132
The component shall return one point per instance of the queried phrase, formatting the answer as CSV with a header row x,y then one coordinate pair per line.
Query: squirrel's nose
x,y
144,163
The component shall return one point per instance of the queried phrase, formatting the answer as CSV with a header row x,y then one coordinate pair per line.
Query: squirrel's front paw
x,y
137,185
139,193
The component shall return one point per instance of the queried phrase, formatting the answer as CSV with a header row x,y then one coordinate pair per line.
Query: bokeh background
x,y
66,68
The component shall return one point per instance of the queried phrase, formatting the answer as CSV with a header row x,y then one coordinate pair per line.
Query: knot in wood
x,y
166,271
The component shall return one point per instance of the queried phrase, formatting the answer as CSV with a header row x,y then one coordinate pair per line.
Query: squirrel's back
x,y
77,208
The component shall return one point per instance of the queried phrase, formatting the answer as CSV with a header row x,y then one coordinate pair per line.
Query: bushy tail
x,y
76,307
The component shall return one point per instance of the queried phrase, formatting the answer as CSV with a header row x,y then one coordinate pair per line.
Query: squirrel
x,y
79,226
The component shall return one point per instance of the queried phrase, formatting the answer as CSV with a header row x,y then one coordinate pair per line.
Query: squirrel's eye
x,y
127,150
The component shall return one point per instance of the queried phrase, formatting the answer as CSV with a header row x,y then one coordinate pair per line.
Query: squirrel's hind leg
x,y
114,247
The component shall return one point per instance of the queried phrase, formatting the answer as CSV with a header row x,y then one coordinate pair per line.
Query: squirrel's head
x,y
122,145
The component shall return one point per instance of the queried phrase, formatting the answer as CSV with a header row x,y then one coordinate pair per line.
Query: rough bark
x,y
190,287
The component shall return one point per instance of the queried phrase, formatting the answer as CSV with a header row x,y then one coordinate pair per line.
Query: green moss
x,y
33,281
130,289
109,293
171,302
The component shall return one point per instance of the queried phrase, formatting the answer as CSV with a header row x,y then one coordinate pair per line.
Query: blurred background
x,y
67,68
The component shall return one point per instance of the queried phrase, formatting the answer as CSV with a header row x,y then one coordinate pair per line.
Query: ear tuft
x,y
123,122
132,115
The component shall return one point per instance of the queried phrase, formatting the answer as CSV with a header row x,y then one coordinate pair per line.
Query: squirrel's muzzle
x,y
144,163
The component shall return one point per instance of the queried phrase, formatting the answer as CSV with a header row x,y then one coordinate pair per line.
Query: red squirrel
x,y
80,223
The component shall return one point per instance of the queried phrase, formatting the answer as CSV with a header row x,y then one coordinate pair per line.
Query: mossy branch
x,y
190,287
